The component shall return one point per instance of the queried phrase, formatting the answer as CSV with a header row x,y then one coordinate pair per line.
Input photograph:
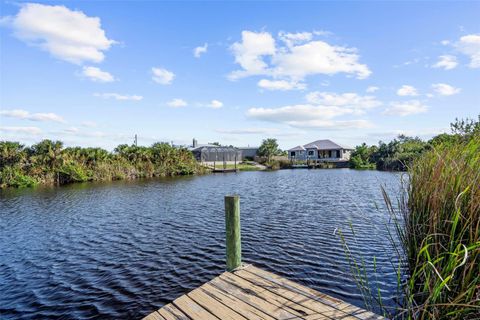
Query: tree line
x,y
48,162
401,152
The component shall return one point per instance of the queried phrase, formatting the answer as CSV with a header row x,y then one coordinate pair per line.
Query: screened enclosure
x,y
217,153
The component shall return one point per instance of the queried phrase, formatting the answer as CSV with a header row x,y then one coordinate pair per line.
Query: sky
x,y
97,73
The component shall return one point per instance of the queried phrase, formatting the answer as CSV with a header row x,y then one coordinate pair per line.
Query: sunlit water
x,y
123,249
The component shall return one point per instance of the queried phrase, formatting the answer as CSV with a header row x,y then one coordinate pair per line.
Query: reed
x,y
435,235
439,229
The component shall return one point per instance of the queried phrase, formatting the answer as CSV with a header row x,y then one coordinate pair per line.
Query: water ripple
x,y
123,249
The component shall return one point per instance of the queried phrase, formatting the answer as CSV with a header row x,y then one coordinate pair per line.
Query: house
x,y
248,153
215,153
323,150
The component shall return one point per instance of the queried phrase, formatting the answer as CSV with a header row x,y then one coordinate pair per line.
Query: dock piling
x,y
232,228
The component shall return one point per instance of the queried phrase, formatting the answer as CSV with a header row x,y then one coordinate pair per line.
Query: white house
x,y
325,150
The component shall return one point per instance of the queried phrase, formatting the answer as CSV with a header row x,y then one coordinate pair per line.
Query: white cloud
x,y
162,76
446,62
470,46
405,108
249,53
318,57
282,85
308,116
299,112
89,124
413,61
372,89
66,34
445,89
177,103
332,125
72,130
27,130
117,96
248,131
292,39
215,104
97,75
323,33
349,100
198,51
300,57
406,90
320,112
23,114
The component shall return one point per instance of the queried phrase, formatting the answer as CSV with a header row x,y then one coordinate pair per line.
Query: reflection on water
x,y
123,249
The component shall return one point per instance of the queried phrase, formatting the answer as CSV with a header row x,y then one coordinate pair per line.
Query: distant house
x,y
211,153
325,150
248,152
214,153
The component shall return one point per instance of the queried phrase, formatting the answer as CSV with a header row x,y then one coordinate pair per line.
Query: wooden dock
x,y
247,292
252,293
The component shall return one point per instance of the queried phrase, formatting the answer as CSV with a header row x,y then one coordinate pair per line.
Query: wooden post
x,y
232,227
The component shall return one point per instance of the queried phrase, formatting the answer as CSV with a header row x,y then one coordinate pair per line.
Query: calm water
x,y
123,249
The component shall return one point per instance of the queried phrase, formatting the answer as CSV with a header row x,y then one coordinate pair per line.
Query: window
x,y
292,154
310,152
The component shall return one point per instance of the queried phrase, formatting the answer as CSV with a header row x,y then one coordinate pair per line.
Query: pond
x,y
125,248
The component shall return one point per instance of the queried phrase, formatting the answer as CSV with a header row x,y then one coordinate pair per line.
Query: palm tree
x,y
11,154
48,154
268,149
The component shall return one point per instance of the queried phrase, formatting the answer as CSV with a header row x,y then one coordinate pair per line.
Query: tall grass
x,y
440,233
436,236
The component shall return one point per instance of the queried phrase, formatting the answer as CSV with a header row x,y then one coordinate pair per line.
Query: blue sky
x,y
97,73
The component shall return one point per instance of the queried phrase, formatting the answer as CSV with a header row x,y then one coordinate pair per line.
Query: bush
x,y
13,177
69,173
47,162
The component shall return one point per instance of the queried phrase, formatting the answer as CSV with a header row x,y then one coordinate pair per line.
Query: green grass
x,y
241,167
440,213
436,236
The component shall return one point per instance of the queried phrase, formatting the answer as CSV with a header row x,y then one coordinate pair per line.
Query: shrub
x,y
69,173
10,176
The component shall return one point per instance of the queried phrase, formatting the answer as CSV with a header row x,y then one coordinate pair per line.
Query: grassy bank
x,y
436,234
48,162
441,233
243,166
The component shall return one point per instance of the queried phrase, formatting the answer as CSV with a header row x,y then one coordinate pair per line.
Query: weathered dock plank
x,y
314,295
170,312
251,293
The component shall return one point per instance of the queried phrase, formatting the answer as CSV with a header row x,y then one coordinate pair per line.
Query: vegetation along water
x,y
48,162
436,233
